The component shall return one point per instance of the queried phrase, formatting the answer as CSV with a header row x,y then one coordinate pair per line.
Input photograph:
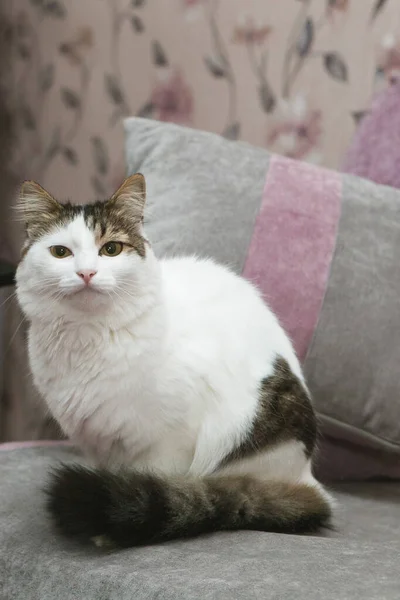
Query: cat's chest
x,y
106,391
80,369
80,352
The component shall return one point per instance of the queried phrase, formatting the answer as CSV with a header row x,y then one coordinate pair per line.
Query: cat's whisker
x,y
125,295
43,283
15,333
118,295
120,288
12,295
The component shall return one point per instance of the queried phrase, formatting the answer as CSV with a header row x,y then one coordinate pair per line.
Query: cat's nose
x,y
86,275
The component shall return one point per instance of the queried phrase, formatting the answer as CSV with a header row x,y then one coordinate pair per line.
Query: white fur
x,y
159,366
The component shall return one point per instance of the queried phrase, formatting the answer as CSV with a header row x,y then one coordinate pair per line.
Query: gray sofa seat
x,y
359,560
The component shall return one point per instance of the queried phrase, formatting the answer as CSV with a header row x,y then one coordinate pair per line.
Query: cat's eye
x,y
60,251
111,249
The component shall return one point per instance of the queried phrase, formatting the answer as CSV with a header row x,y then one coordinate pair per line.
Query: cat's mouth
x,y
86,290
88,298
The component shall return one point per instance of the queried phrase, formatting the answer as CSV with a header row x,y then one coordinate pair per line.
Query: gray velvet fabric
x,y
204,190
359,561
355,354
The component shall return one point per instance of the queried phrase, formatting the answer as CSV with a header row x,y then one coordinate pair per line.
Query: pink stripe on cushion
x,y
34,444
293,242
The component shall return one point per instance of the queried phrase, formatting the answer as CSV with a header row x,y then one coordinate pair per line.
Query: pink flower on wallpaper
x,y
297,134
190,3
172,98
335,8
389,60
248,32
338,5
193,8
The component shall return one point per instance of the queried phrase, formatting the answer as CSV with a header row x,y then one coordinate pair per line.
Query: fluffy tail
x,y
135,508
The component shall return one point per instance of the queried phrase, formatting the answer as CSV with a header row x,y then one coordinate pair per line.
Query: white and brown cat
x,y
172,375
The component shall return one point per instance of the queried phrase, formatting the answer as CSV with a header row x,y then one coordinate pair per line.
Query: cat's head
x,y
90,258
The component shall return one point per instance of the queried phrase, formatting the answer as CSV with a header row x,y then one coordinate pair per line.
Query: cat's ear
x,y
36,207
130,197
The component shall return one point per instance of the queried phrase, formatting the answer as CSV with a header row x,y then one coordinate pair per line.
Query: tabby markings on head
x,y
120,217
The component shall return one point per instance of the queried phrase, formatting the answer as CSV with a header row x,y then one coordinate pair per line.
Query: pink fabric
x,y
293,242
375,149
35,444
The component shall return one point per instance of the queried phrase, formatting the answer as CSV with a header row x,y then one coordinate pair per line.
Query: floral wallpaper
x,y
294,76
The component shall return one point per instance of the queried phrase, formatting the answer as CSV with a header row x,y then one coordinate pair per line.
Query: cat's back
x,y
210,306
203,286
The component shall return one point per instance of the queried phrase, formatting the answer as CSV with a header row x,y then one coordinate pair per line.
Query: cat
x,y
173,377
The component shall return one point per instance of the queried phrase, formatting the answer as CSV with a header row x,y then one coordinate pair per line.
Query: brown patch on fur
x,y
124,214
118,219
285,413
122,224
112,229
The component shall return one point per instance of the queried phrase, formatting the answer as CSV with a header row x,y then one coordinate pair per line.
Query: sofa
x,y
323,248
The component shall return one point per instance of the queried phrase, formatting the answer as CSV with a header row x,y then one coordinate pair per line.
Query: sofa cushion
x,y
36,563
323,249
374,152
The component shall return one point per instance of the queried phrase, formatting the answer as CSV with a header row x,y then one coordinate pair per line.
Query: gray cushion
x,y
359,560
203,191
